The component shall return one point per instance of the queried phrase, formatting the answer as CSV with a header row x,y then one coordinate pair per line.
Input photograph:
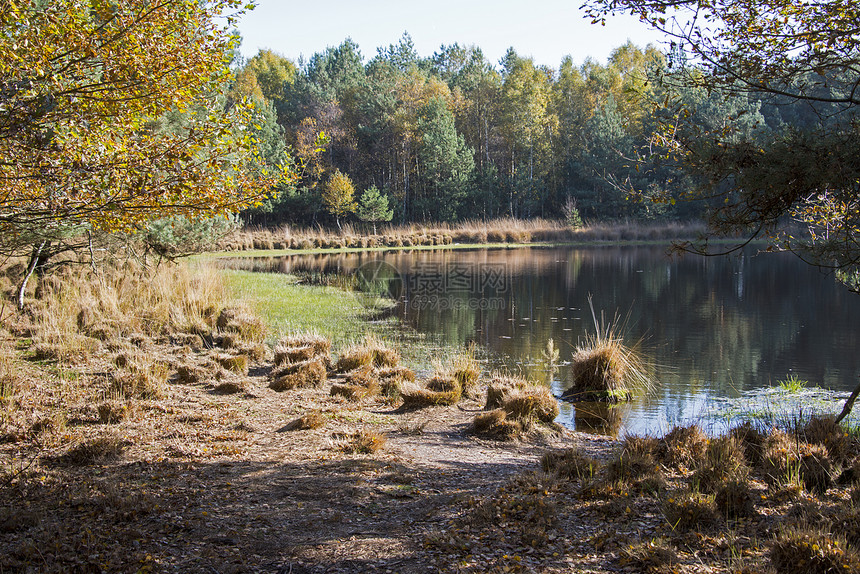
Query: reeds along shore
x,y
468,232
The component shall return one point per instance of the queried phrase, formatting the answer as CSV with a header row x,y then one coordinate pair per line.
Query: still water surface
x,y
714,329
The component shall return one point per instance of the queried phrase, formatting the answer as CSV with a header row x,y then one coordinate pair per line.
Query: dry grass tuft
x,y
604,369
734,500
683,447
638,471
804,550
652,556
816,470
533,403
364,442
437,391
495,425
231,387
308,421
189,374
299,375
500,386
350,392
826,432
354,357
393,378
237,364
752,441
141,381
114,411
685,510
723,462
372,352
94,451
570,464
243,322
640,445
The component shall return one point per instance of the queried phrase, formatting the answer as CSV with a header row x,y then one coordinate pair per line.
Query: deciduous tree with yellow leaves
x,y
84,88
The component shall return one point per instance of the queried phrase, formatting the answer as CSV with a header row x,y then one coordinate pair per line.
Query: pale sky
x,y
546,30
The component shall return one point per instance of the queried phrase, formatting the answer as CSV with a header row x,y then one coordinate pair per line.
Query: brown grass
x,y
683,446
495,425
804,550
570,464
298,375
505,230
308,421
364,442
534,403
94,451
416,396
500,386
299,347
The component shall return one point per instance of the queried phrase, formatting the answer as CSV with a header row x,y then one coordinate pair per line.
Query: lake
x,y
715,330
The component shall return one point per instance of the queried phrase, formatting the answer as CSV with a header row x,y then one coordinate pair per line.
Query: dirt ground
x,y
199,481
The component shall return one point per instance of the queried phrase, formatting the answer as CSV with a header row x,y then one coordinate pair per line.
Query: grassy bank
x,y
288,306
496,232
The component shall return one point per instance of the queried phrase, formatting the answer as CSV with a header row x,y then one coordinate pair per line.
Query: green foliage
x,y
173,237
373,207
797,161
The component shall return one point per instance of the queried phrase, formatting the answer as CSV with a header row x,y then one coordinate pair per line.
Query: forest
x,y
454,136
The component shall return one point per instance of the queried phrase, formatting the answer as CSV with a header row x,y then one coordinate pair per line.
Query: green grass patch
x,y
287,307
792,384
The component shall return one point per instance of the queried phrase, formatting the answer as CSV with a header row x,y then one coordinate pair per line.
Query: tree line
x,y
452,136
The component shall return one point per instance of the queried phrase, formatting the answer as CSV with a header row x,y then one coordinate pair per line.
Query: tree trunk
x,y
849,403
35,260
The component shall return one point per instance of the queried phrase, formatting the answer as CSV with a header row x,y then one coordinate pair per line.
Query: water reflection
x,y
715,327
